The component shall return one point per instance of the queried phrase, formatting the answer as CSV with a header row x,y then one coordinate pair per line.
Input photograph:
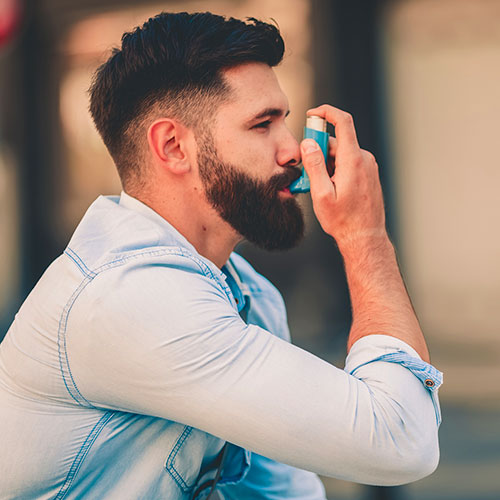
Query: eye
x,y
264,124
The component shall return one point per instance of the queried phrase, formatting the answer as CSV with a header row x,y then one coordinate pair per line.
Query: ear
x,y
168,144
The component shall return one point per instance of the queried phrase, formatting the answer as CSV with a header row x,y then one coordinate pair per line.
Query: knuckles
x,y
347,118
369,157
369,160
357,159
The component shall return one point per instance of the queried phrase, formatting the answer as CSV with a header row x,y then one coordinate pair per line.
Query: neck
x,y
200,224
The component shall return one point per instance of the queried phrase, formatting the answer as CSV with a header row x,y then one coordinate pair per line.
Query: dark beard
x,y
252,207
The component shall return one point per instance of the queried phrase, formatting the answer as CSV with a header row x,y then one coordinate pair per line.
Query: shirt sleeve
x,y
384,348
167,342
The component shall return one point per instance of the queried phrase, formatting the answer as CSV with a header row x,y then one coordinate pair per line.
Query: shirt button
x,y
237,301
429,382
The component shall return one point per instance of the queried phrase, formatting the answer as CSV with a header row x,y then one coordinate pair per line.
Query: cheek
x,y
250,151
258,155
259,163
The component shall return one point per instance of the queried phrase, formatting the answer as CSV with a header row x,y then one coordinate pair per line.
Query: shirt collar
x,y
135,205
240,291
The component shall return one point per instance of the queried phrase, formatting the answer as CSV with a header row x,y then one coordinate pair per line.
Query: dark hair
x,y
174,61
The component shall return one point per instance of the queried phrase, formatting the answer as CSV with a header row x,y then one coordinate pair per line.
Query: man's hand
x,y
349,204
350,207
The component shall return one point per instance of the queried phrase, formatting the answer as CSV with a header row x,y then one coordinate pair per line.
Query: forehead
x,y
254,87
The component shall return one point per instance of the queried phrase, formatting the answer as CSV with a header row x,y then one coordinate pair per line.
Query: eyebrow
x,y
272,112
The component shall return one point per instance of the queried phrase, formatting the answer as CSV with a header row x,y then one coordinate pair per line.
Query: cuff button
x,y
429,383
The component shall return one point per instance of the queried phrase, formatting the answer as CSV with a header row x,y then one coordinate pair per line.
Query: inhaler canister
x,y
315,129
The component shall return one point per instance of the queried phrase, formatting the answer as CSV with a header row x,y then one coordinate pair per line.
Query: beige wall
x,y
443,63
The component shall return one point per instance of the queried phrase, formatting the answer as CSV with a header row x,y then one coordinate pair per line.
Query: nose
x,y
289,150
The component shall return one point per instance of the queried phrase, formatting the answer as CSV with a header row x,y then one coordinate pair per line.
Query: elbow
x,y
426,460
391,460
408,462
401,449
410,469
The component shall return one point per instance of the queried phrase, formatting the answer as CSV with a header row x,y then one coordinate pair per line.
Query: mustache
x,y
282,181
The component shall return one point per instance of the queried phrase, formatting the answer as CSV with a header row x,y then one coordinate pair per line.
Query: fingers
x,y
314,163
332,146
342,121
332,151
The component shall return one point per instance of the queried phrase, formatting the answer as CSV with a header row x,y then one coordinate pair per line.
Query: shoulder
x,y
156,292
160,275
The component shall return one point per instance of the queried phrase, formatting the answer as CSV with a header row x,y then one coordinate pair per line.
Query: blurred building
x,y
420,77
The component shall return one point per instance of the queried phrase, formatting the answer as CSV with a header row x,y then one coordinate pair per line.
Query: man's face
x,y
248,160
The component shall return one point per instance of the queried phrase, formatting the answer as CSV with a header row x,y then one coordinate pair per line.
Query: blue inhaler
x,y
315,129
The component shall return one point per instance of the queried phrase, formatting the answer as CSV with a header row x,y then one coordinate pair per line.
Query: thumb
x,y
314,164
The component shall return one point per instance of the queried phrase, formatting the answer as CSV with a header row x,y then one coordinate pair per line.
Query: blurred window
x,y
10,231
9,235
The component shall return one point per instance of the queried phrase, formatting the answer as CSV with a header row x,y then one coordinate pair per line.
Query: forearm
x,y
380,302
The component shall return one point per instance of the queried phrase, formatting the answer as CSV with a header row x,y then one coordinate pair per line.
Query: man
x,y
150,361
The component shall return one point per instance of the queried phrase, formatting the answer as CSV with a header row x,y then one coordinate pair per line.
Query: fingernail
x,y
309,146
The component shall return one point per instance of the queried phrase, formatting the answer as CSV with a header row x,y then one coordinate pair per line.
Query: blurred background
x,y
422,80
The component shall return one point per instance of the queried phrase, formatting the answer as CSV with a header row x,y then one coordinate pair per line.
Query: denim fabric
x,y
134,359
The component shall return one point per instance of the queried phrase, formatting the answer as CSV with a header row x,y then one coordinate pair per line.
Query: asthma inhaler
x,y
315,129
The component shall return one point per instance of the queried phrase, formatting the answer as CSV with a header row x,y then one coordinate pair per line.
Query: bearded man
x,y
151,361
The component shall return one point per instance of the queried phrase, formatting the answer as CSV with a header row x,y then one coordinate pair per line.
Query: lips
x,y
283,181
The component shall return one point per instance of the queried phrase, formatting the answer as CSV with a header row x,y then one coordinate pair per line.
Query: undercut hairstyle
x,y
172,66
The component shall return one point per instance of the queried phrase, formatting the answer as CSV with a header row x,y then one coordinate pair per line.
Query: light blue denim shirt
x,y
134,359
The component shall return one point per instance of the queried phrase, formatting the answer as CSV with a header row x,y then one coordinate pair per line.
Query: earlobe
x,y
166,140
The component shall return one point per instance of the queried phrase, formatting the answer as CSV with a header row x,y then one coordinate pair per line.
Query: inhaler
x,y
315,129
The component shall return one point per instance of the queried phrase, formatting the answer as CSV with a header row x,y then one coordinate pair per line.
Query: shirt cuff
x,y
374,348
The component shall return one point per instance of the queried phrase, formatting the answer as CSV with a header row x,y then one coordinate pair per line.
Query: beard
x,y
252,207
